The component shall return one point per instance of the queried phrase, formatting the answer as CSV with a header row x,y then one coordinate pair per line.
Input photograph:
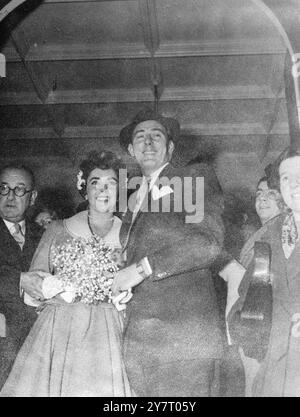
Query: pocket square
x,y
161,192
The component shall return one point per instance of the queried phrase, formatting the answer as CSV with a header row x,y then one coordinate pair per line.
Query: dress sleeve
x,y
41,258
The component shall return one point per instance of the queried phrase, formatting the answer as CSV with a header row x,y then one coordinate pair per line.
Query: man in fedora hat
x,y
172,337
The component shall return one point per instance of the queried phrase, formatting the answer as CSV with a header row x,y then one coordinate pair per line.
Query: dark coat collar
x,y
33,233
7,239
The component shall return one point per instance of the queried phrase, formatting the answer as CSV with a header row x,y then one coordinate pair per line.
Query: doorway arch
x,y
9,7
294,54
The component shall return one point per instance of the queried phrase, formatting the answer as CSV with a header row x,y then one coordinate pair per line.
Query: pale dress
x,y
73,349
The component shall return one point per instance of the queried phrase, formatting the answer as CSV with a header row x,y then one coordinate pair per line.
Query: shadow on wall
x,y
56,200
194,149
239,215
15,18
240,219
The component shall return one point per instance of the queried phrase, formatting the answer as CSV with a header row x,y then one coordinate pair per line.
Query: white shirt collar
x,y
154,176
9,225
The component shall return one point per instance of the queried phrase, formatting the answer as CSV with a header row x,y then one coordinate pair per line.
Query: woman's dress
x,y
73,349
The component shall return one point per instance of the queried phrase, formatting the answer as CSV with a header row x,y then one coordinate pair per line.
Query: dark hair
x,y
20,166
102,160
279,200
274,180
56,200
171,125
262,179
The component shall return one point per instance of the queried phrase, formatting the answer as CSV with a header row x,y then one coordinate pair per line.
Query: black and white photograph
x,y
149,201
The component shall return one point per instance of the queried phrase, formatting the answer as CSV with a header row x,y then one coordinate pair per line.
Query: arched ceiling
x,y
80,69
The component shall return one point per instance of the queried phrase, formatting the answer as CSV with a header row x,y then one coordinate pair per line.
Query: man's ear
x,y
33,197
130,150
171,148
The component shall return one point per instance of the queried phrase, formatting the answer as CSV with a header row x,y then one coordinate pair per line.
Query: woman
x,y
74,348
268,201
279,374
268,204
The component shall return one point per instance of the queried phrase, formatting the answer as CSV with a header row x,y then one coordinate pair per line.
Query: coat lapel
x,y
284,268
32,236
292,262
278,259
7,239
125,228
148,202
128,223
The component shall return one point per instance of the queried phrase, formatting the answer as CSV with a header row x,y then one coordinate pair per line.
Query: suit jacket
x,y
173,314
13,261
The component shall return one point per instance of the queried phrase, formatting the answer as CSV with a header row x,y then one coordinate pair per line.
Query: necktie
x,y
142,193
17,234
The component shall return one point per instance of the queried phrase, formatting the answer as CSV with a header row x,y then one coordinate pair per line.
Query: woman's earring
x,y
86,197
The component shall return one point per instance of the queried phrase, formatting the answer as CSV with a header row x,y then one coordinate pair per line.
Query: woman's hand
x,y
32,283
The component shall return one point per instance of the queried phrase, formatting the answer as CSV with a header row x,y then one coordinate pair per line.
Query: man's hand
x,y
31,283
126,279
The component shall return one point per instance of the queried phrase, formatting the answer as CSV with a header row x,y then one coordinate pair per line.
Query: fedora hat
x,y
171,125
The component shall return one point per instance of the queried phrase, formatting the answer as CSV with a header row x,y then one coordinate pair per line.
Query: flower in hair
x,y
80,181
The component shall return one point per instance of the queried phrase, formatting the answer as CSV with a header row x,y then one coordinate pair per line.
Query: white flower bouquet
x,y
84,269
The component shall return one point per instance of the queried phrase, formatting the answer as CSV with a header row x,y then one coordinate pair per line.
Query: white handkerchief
x,y
233,274
160,192
51,287
232,270
30,301
68,296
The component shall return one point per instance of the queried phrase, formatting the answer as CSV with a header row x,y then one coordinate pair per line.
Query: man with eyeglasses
x,y
19,239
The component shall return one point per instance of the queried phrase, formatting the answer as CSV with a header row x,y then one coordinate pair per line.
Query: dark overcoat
x,y
173,315
19,317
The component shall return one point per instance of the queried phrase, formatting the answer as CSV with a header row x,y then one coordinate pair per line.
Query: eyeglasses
x,y
19,190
